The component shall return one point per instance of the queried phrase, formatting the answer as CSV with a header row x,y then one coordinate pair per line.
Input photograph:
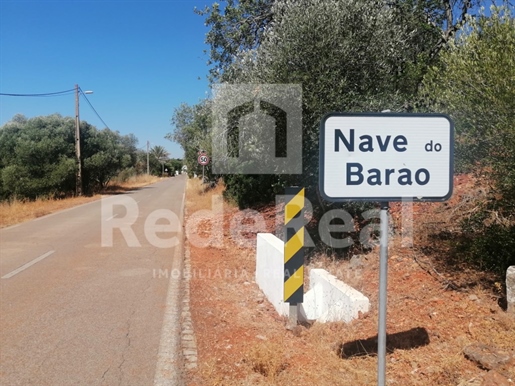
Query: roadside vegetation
x,y
241,340
15,211
38,165
474,83
37,158
446,280
453,57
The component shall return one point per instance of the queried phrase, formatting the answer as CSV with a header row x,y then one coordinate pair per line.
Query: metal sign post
x,y
384,158
203,159
383,285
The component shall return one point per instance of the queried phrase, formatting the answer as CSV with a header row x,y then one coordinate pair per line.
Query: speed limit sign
x,y
203,159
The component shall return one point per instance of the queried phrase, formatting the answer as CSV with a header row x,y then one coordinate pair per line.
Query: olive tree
x,y
474,83
192,130
346,55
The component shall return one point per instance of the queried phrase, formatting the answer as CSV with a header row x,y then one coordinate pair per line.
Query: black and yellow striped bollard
x,y
293,251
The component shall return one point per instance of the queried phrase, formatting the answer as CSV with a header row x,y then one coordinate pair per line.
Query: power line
x,y
90,105
48,94
59,93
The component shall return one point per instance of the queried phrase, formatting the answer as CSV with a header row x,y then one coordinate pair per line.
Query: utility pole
x,y
77,144
148,159
79,184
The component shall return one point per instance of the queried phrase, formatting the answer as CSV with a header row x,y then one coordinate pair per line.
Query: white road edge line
x,y
181,218
110,218
27,265
169,370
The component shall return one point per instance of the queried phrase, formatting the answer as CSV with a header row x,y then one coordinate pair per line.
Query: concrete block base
x,y
331,300
270,270
328,299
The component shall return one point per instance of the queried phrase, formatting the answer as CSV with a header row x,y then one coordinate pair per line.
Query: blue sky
x,y
141,59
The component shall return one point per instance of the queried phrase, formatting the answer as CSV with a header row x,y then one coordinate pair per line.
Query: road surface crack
x,y
105,372
127,345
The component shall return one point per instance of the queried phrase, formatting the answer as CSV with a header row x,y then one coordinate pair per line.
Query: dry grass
x,y
242,340
267,358
140,180
199,196
133,182
17,211
198,190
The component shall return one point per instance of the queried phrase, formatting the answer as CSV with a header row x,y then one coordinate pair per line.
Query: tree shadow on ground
x,y
114,190
405,340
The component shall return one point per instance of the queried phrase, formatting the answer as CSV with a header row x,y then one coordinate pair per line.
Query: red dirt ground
x,y
242,341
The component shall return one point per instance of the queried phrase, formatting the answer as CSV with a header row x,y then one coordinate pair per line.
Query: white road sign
x,y
386,157
203,159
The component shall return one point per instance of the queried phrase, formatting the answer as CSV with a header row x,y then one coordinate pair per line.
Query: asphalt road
x,y
76,311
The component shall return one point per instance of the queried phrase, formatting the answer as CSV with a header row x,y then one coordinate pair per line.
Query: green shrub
x,y
492,248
